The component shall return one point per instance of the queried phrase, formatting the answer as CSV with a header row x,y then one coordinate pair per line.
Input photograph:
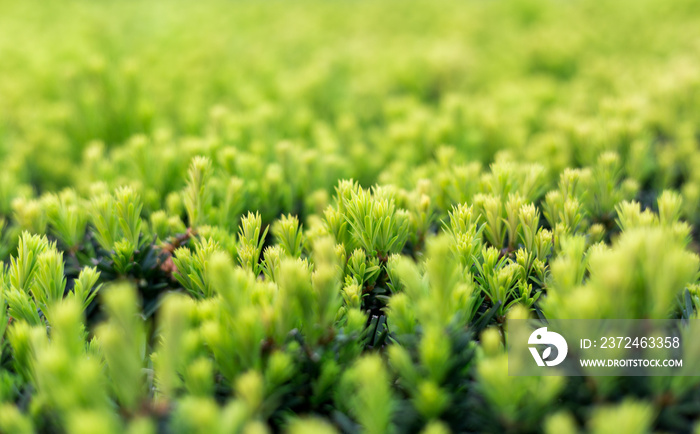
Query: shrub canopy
x,y
319,217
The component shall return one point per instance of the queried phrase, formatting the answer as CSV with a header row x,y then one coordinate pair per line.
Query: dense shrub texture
x,y
319,217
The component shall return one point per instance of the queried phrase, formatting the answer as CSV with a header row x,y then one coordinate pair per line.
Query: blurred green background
x,y
376,88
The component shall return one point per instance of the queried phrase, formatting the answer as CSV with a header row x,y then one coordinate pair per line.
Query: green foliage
x,y
251,242
128,208
629,416
366,393
67,216
50,283
23,267
288,235
105,221
122,340
421,190
375,223
85,288
192,267
198,192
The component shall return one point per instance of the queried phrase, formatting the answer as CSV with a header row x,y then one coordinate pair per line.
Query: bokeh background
x,y
312,92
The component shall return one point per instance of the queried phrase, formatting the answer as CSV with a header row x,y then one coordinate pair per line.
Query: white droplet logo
x,y
543,337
